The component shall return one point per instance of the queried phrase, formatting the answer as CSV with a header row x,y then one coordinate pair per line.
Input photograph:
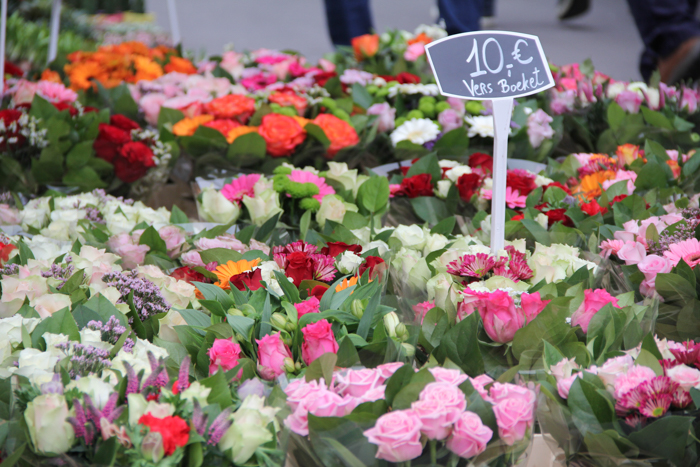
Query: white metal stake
x,y
55,28
174,24
502,111
3,29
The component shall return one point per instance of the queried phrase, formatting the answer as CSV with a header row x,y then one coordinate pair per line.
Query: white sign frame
x,y
502,113
3,33
55,29
174,23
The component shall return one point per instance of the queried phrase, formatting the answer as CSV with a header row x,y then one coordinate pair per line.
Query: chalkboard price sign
x,y
488,65
497,66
